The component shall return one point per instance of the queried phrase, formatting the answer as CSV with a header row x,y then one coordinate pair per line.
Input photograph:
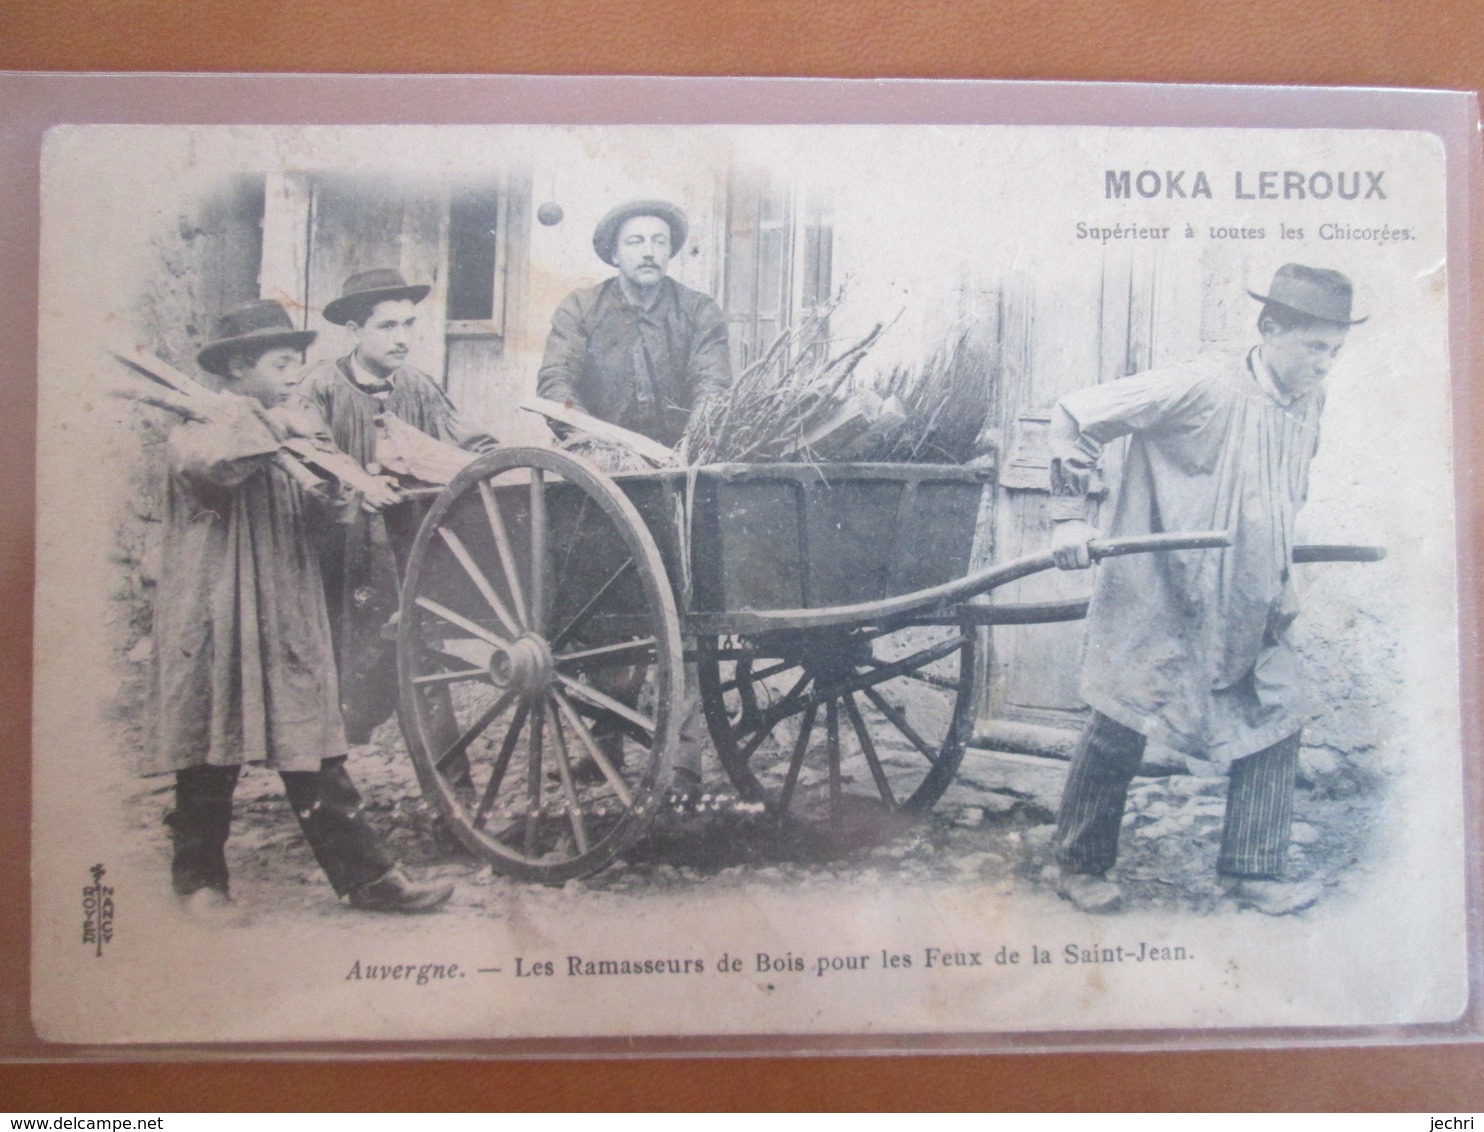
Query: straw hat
x,y
605,235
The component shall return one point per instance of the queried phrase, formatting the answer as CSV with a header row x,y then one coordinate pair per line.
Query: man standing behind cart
x,y
1190,649
638,350
364,562
645,352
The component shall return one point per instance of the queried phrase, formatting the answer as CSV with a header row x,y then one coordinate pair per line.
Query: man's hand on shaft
x,y
383,498
1069,544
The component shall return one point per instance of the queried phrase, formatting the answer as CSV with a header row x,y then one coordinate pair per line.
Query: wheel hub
x,y
524,666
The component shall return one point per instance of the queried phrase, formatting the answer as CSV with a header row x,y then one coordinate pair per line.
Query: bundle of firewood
x,y
782,404
307,453
803,401
943,405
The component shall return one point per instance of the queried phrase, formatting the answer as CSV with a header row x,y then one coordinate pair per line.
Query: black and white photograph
x,y
589,582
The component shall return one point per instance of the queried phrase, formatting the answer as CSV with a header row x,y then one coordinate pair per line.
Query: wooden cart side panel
x,y
779,537
853,540
752,549
937,532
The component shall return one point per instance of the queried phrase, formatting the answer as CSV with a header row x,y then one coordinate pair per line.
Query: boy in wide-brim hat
x,y
245,670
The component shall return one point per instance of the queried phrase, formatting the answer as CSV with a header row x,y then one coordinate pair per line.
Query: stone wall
x,y
202,257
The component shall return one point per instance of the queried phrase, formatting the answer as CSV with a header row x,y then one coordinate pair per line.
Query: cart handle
x,y
1100,548
1075,608
1337,552
873,612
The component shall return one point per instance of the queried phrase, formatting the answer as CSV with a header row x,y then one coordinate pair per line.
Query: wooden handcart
x,y
549,613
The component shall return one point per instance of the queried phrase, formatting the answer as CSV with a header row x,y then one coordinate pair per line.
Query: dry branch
x,y
651,450
188,397
404,450
800,403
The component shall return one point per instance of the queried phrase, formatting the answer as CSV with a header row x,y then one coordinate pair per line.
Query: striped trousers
x,y
1259,803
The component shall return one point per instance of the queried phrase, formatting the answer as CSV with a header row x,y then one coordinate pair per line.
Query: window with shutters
x,y
778,261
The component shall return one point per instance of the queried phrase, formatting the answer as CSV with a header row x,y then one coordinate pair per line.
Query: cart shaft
x,y
979,582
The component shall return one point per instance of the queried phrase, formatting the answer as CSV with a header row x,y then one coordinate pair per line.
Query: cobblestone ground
x,y
994,824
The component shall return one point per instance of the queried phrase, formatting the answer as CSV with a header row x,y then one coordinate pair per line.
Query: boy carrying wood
x,y
364,557
246,669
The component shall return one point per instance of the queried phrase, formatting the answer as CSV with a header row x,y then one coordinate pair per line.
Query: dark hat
x,y
370,288
1313,291
257,325
605,235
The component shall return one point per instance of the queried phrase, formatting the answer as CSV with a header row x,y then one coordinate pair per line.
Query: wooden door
x,y
778,261
1061,330
358,222
485,237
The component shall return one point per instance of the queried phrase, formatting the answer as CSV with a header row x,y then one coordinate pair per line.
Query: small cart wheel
x,y
539,657
837,727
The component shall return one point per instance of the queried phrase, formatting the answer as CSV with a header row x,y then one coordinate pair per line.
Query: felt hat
x,y
1315,292
605,235
257,325
370,288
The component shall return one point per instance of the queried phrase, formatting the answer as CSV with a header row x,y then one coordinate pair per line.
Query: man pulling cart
x,y
1193,651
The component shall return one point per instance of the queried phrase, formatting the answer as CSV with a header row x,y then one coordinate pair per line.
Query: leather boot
x,y
396,892
1089,892
1269,895
199,826
330,813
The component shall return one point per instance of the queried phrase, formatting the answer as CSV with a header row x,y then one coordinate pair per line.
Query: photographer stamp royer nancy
x,y
917,358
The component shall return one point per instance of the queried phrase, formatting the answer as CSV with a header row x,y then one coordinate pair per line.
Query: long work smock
x,y
245,668
1191,648
364,558
644,369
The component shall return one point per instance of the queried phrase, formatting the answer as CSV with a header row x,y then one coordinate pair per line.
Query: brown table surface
x,y
1424,43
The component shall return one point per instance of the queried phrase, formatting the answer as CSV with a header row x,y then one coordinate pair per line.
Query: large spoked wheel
x,y
539,656
838,728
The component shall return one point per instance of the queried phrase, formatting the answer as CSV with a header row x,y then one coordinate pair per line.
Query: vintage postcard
x,y
880,583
